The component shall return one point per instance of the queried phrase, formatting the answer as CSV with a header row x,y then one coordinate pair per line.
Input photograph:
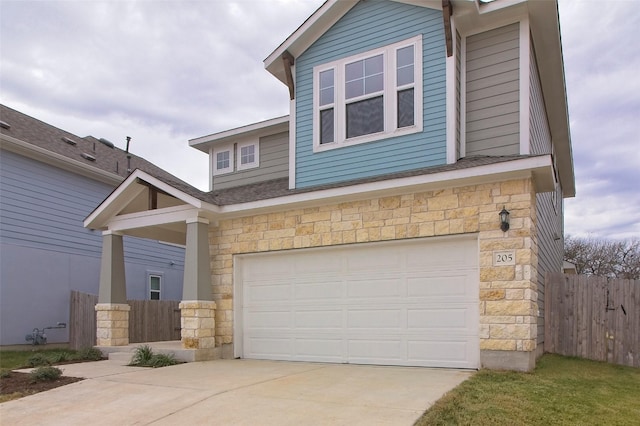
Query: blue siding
x,y
370,25
45,252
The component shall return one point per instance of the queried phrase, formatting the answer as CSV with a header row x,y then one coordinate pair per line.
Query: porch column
x,y
112,310
197,309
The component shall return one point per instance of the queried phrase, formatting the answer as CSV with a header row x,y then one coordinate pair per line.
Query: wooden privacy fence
x,y
149,320
593,317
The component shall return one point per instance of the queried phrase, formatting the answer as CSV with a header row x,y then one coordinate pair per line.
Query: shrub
x,y
162,360
142,356
38,360
43,374
59,357
4,374
89,354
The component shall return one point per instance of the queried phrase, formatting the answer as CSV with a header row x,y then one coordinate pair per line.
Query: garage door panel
x,y
440,319
376,319
268,320
319,319
361,260
319,347
444,352
374,288
261,292
318,291
270,347
366,351
439,286
304,264
414,302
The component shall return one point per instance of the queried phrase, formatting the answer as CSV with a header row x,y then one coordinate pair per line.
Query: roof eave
x,y
52,158
262,128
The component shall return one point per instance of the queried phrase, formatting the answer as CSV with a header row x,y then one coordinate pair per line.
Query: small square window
x,y
222,160
248,155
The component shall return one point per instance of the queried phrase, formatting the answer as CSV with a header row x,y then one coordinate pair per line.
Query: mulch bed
x,y
22,383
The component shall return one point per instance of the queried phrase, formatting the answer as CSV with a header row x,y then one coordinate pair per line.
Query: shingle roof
x,y
113,160
280,187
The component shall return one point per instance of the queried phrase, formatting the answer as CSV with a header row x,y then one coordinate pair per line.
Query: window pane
x,y
222,160
405,56
154,283
326,79
404,66
326,96
326,126
405,108
354,88
354,70
247,154
326,87
373,65
365,117
405,75
155,295
374,84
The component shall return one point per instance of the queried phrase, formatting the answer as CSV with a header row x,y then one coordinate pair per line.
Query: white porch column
x,y
112,310
197,310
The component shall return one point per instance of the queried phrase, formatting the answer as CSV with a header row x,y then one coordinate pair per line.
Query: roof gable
x,y
315,26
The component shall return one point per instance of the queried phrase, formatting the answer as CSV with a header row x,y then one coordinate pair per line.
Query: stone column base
x,y
197,321
112,325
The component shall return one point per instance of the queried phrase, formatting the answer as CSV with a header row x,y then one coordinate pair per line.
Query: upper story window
x,y
223,160
374,95
248,155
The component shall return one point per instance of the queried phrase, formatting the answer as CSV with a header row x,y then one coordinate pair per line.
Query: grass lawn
x,y
10,360
15,385
561,390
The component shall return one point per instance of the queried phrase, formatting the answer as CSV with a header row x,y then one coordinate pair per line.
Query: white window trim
x,y
160,275
256,151
214,160
390,97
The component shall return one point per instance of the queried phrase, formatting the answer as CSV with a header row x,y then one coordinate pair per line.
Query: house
x,y
405,212
50,180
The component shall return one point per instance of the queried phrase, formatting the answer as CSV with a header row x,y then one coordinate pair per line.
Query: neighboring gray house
x,y
367,226
50,180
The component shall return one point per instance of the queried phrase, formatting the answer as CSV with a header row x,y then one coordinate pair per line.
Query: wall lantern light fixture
x,y
504,219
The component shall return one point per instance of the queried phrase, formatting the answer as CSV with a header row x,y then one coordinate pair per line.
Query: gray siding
x,y
549,225
274,164
458,83
549,229
539,133
492,92
45,252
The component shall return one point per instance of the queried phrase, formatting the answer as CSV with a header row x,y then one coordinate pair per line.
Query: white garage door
x,y
411,302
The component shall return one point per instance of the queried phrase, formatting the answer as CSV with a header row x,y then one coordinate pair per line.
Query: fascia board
x,y
43,155
545,30
316,25
540,167
153,218
127,191
262,128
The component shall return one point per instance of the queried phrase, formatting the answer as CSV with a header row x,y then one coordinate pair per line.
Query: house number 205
x,y
503,258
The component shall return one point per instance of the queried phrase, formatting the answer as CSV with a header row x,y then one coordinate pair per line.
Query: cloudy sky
x,y
164,72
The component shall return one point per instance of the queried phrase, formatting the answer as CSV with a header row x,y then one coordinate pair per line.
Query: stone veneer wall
x,y
508,294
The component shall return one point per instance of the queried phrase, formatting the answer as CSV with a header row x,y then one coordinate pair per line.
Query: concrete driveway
x,y
236,392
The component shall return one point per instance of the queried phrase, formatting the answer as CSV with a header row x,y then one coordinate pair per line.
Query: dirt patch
x,y
21,384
